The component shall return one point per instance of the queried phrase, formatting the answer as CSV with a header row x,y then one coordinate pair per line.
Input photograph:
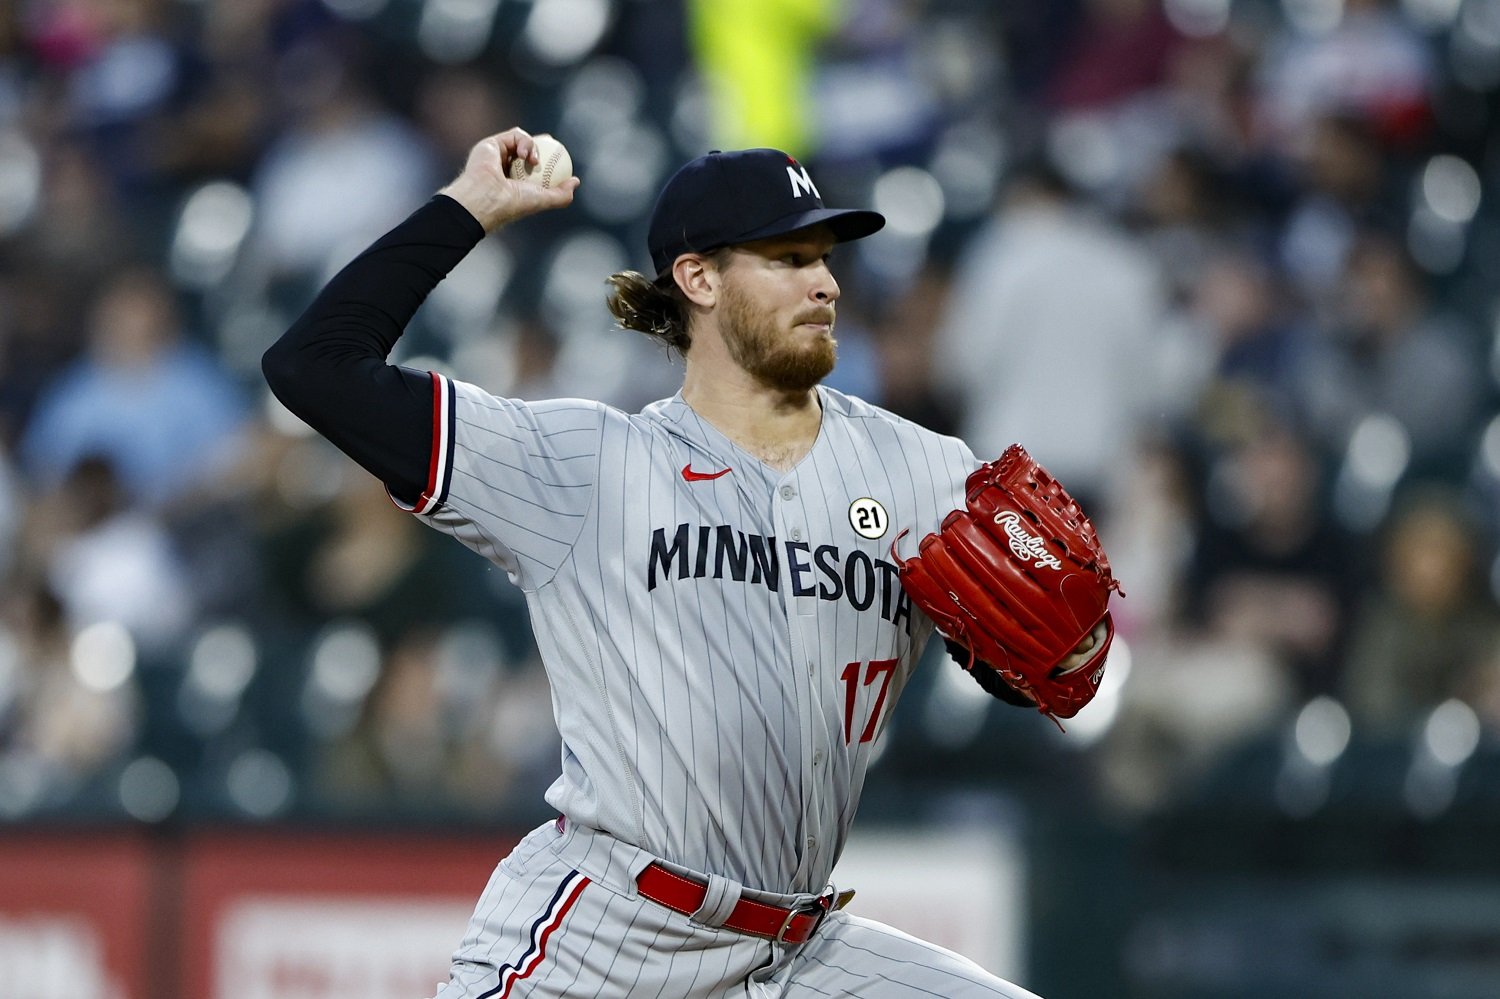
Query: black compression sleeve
x,y
329,368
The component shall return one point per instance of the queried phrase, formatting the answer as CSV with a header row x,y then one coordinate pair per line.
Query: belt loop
x,y
723,895
831,900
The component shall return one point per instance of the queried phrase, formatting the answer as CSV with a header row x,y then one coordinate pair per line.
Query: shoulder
x,y
473,406
469,393
671,417
672,410
666,418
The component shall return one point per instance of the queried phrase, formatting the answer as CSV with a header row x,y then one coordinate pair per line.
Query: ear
x,y
698,278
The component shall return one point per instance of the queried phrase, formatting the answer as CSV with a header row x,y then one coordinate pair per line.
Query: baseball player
x,y
711,582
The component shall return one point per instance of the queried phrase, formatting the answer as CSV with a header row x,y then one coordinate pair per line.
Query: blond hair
x,y
656,308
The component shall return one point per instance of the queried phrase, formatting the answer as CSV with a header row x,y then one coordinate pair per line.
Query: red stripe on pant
x,y
541,931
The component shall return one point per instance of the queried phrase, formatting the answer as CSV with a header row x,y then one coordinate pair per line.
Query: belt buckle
x,y
818,908
786,924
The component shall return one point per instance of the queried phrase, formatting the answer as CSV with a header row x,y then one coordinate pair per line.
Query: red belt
x,y
761,919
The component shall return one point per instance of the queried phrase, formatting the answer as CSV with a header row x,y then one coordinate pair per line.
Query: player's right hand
x,y
485,189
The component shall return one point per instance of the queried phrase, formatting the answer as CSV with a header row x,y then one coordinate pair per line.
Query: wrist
x,y
476,199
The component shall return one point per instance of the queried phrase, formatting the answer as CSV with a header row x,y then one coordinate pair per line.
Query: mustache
x,y
823,315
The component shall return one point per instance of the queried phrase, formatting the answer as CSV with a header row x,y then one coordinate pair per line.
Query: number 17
x,y
883,668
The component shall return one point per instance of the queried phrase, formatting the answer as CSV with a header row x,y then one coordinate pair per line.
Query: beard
x,y
778,358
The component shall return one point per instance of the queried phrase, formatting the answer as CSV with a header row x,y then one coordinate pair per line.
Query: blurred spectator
x,y
131,72
125,68
78,233
1150,538
425,737
60,721
1197,688
905,340
1183,216
1046,336
1428,629
1264,306
12,514
221,129
360,557
535,358
1359,58
38,337
157,407
887,81
1270,566
1208,101
108,561
1193,697
1250,345
1110,107
339,175
456,104
1344,186
1388,349
1118,48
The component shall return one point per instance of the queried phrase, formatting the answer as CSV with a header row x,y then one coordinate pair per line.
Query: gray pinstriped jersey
x,y
723,649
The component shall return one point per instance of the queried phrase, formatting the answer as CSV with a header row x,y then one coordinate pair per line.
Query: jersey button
x,y
796,534
811,842
818,758
787,492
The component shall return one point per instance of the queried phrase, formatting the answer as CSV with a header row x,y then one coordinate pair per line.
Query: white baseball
x,y
553,164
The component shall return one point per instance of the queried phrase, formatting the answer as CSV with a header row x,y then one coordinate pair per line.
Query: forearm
x,y
330,367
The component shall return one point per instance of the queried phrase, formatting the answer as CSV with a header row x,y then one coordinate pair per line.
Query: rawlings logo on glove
x,y
1025,544
1019,579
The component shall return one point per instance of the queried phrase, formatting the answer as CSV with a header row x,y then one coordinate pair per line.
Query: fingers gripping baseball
x,y
486,189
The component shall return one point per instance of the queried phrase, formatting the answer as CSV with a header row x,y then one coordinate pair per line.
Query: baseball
x,y
553,165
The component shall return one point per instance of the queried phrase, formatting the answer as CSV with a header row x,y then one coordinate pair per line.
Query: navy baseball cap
x,y
724,198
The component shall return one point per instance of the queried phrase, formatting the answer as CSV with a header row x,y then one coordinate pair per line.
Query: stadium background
x,y
1231,268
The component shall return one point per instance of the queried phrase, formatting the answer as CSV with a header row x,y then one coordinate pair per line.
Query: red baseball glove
x,y
1018,578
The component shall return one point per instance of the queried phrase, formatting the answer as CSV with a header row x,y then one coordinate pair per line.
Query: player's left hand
x,y
994,684
485,188
1018,579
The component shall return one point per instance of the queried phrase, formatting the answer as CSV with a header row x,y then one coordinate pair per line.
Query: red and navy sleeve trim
x,y
440,461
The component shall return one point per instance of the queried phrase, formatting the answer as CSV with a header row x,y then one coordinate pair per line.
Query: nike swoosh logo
x,y
692,476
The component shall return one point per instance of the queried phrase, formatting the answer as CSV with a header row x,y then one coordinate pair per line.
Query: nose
x,y
825,289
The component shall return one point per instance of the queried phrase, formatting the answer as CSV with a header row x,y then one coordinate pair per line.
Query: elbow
x,y
274,362
279,363
281,368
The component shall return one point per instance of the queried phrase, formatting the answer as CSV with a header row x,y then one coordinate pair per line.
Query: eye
x,y
803,258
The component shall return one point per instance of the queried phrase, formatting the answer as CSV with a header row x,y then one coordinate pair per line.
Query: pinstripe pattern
x,y
546,924
851,956
723,655
612,943
704,716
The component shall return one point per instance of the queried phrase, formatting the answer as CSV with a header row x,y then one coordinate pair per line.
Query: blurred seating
x,y
1230,265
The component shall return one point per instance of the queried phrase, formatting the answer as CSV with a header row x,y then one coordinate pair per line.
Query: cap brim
x,y
845,223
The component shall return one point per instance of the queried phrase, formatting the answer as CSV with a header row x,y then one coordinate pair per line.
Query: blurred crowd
x,y
1229,268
